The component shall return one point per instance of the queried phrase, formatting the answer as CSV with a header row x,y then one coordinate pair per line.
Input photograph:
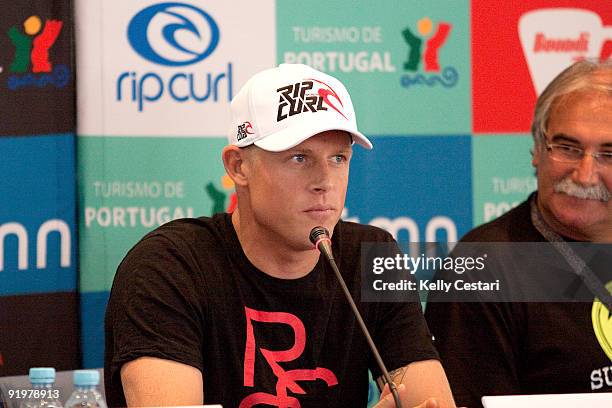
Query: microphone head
x,y
317,233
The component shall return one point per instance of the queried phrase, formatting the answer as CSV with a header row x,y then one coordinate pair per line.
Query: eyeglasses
x,y
571,154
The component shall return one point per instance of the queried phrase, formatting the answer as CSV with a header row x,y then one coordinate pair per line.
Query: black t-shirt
x,y
518,348
187,292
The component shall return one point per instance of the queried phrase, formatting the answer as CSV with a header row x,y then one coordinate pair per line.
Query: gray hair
x,y
580,76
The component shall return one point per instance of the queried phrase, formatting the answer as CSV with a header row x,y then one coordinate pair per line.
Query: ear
x,y
236,164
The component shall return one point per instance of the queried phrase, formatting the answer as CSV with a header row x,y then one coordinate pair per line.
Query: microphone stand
x,y
319,236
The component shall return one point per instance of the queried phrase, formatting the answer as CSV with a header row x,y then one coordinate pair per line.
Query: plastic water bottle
x,y
86,394
3,399
41,394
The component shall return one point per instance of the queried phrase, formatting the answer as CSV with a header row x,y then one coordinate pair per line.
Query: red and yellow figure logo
x,y
219,197
423,55
31,65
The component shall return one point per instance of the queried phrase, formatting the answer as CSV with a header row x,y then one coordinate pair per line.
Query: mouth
x,y
320,211
581,198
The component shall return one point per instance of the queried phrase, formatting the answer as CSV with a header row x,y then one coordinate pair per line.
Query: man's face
x,y
293,191
583,120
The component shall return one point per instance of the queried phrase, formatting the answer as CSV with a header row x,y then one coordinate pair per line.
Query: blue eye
x,y
299,158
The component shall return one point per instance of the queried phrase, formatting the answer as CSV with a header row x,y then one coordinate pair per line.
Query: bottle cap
x,y
42,375
86,377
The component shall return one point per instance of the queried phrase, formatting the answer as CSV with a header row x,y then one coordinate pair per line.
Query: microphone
x,y
319,236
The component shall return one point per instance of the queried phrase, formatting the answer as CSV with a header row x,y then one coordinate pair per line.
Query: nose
x,y
586,171
322,180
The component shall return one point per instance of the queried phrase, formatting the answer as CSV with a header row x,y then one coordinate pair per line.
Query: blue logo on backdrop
x,y
138,34
174,35
37,215
421,190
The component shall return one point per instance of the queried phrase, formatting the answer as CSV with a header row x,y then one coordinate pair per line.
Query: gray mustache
x,y
598,192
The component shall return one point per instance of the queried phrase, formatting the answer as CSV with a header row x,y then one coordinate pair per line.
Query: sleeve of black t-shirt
x,y
153,309
402,337
479,345
401,334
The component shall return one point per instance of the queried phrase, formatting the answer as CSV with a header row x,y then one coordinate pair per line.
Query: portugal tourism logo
x,y
173,35
422,62
224,199
31,65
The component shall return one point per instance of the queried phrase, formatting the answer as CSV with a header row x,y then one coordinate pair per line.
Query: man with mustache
x,y
495,348
240,309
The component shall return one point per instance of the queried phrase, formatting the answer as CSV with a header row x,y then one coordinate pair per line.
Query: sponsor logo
x,y
600,377
554,38
342,61
244,130
287,379
168,50
507,187
174,35
136,215
18,230
545,44
219,196
133,216
31,66
602,324
296,99
435,225
423,56
601,318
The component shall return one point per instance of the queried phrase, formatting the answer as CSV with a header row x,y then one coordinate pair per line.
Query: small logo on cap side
x,y
244,130
295,99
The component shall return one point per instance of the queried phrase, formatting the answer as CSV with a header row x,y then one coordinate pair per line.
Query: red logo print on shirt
x,y
287,379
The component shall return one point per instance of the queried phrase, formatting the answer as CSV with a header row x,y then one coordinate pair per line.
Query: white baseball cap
x,y
281,107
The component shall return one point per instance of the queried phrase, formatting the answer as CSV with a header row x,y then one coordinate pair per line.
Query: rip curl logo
x,y
174,35
429,57
31,66
157,33
296,98
244,131
287,379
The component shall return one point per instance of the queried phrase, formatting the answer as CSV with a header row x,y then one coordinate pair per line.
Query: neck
x,y
277,259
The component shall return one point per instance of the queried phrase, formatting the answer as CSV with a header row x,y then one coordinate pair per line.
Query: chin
x,y
331,225
328,222
579,217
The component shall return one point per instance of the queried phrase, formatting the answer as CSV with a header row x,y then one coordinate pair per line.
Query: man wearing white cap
x,y
239,309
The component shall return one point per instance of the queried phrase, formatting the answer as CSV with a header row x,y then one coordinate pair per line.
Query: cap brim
x,y
294,135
